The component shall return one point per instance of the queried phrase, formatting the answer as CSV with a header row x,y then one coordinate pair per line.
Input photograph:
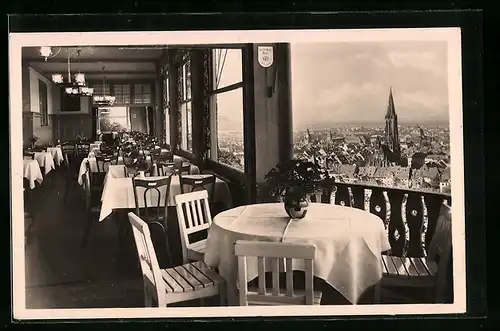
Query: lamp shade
x,y
45,51
57,78
80,79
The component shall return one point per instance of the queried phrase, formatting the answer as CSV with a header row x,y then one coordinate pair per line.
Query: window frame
x,y
44,115
213,92
183,104
166,102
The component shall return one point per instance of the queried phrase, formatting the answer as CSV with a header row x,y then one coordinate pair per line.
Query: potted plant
x,y
292,181
33,140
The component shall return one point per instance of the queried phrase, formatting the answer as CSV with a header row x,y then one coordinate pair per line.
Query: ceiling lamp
x,y
46,52
72,88
104,99
80,79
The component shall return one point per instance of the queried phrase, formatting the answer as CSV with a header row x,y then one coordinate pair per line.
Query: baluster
x,y
333,194
413,219
368,194
395,225
342,195
357,196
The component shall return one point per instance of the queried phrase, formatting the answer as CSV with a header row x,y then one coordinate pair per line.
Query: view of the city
x,y
375,113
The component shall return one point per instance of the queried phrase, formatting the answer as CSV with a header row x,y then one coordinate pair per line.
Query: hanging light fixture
x,y
104,99
75,87
46,52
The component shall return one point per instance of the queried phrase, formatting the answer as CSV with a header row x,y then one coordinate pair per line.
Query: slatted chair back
x,y
274,252
150,267
439,249
148,186
193,215
198,183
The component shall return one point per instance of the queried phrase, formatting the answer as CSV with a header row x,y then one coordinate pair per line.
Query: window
x,y
142,94
166,106
185,108
227,108
122,93
113,119
42,98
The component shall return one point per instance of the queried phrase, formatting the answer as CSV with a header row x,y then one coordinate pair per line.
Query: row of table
x,y
46,160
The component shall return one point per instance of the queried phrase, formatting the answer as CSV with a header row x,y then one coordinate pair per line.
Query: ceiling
x,y
113,62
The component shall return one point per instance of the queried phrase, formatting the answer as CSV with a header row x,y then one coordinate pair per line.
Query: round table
x,y
348,241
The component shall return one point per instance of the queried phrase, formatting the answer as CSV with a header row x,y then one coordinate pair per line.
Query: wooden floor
x,y
62,274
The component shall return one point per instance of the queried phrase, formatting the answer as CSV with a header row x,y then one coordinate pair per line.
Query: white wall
x,y
34,97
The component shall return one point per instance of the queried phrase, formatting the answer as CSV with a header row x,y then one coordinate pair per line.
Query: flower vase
x,y
296,206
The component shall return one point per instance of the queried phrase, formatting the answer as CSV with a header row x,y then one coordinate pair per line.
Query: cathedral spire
x,y
391,127
391,110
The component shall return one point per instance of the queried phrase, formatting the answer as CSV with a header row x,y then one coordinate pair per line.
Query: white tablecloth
x,y
45,160
349,243
118,193
31,171
93,165
56,153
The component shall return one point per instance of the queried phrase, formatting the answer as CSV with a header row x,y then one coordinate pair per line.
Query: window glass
x,y
122,93
113,119
230,143
227,67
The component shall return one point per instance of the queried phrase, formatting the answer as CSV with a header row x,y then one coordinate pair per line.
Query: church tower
x,y
308,137
391,127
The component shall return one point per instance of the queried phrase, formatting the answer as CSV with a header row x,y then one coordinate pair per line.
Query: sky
x,y
350,82
336,83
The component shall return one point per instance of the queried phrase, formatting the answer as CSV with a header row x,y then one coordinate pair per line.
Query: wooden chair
x,y
164,168
424,272
154,214
92,206
82,149
182,283
184,168
198,182
275,252
194,216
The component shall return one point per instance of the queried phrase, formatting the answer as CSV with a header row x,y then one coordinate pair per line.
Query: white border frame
x,y
450,35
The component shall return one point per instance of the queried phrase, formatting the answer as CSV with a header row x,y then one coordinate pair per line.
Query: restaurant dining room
x,y
168,176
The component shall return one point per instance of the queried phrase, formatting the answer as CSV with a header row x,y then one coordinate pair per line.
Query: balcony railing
x,y
409,215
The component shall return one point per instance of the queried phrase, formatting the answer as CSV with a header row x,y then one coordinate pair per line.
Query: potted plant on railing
x,y
292,181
